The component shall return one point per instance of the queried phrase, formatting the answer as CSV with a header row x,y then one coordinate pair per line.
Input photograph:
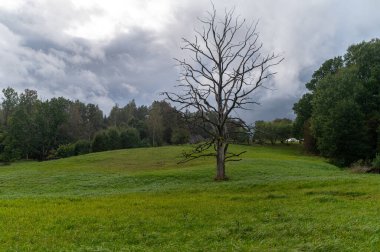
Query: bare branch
x,y
197,152
225,66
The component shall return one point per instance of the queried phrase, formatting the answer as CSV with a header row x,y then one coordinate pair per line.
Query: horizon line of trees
x,y
31,128
277,130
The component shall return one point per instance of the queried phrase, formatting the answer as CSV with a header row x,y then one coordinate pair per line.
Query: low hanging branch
x,y
225,66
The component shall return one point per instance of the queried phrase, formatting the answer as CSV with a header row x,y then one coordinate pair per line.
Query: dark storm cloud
x,y
137,66
306,33
280,107
129,66
37,53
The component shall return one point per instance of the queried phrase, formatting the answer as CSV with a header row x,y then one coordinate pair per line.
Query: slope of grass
x,y
140,200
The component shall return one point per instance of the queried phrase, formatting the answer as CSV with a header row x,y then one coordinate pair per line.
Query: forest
x,y
32,128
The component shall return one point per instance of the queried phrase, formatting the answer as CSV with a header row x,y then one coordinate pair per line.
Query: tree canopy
x,y
342,110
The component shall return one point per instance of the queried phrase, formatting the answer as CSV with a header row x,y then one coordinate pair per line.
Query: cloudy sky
x,y
108,52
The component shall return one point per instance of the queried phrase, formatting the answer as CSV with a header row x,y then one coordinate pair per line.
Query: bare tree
x,y
225,66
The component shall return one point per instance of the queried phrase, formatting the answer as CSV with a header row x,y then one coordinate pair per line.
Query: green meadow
x,y
277,199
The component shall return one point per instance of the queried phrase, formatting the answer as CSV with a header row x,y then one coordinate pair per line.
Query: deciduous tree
x,y
225,66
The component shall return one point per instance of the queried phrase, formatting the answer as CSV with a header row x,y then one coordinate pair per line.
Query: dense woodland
x,y
339,117
43,129
32,128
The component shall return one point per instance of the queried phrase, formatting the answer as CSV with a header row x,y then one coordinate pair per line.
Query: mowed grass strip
x,y
140,200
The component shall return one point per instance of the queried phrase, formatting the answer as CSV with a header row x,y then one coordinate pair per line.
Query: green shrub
x,y
82,147
113,139
52,154
65,150
9,154
145,143
100,142
129,138
180,136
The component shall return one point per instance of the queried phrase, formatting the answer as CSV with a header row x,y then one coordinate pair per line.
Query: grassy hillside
x,y
140,200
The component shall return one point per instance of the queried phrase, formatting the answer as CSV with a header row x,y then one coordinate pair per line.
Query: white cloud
x,y
115,16
131,89
11,4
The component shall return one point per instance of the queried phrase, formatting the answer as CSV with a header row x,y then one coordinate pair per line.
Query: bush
x,y
52,154
113,139
82,147
65,150
100,142
145,143
180,136
9,154
129,138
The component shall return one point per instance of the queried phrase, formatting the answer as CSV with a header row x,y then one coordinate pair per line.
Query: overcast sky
x,y
108,52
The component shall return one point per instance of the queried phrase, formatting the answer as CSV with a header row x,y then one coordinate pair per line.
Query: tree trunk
x,y
220,161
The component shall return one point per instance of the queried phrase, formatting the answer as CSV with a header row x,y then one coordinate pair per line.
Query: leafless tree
x,y
225,66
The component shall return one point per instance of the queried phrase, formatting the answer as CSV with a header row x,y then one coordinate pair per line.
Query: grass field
x,y
140,200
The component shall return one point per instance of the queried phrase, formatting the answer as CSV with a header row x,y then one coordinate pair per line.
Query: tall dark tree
x,y
22,127
225,67
341,114
49,118
93,120
75,126
10,101
303,108
155,124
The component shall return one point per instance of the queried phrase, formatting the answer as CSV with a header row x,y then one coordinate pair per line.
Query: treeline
x,y
278,130
340,115
31,128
